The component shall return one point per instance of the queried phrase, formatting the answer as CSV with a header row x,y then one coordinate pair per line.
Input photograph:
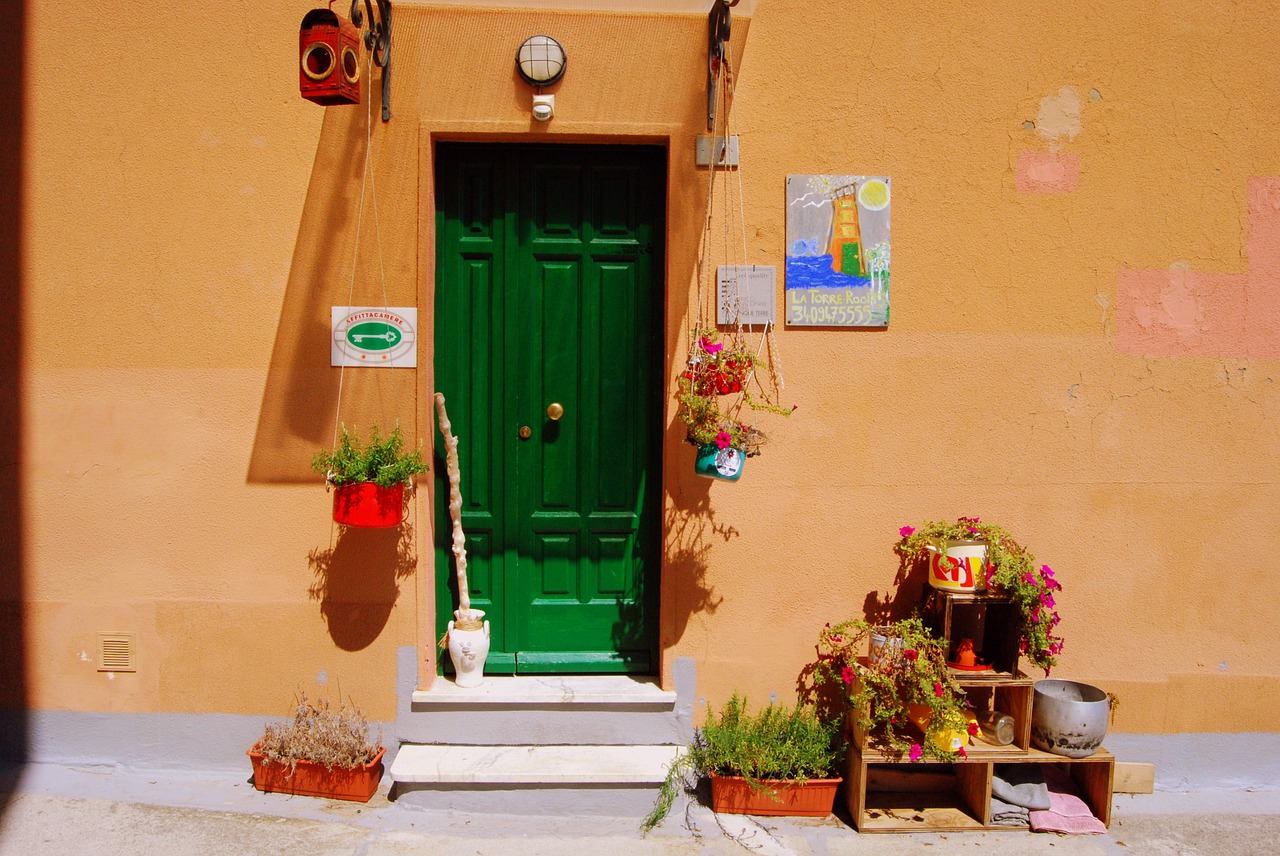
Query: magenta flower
x,y
1047,600
973,728
906,531
916,751
709,346
937,689
911,654
963,754
846,675
1030,579
723,440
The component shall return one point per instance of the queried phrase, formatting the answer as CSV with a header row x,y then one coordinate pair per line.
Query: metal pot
x,y
1069,718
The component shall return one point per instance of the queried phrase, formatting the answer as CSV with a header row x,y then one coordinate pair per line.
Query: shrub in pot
x,y
369,478
321,752
779,760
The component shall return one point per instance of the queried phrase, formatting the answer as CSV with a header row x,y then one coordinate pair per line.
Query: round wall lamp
x,y
541,61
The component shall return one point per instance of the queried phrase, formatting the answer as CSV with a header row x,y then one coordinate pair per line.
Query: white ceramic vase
x,y
468,650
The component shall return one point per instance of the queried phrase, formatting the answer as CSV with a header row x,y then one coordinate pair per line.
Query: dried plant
x,y
321,734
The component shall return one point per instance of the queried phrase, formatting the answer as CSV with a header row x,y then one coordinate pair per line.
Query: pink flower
x,y
723,440
911,653
1046,571
973,729
846,675
1047,600
916,751
963,754
906,531
1031,579
709,346
937,689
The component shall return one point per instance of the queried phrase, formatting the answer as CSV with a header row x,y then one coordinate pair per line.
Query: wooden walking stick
x,y
466,617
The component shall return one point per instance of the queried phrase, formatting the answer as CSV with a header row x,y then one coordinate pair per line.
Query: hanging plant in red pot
x,y
369,479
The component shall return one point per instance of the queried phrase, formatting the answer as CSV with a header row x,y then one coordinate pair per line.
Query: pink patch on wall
x,y
1047,172
1184,312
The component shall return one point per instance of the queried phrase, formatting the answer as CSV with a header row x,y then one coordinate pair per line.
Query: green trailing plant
x,y
777,743
1011,571
321,734
910,675
382,461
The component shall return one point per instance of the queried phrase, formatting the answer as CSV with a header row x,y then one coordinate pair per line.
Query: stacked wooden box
x,y
885,793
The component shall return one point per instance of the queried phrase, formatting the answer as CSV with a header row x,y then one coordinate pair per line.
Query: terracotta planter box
x,y
316,780
734,795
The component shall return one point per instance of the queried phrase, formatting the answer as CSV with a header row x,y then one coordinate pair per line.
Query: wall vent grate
x,y
116,653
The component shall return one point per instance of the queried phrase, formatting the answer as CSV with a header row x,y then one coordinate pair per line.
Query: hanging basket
x,y
716,463
367,505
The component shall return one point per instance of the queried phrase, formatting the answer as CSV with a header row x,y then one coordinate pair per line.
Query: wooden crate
x,y
994,624
884,795
1013,695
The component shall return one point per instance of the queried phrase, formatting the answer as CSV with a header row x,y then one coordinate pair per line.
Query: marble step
x,y
578,779
543,710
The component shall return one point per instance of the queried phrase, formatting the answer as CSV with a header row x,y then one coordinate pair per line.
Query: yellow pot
x,y
948,739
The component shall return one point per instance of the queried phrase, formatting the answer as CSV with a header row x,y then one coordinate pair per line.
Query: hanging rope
x,y
368,176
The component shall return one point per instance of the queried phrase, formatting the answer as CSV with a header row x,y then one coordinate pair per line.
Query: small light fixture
x,y
541,62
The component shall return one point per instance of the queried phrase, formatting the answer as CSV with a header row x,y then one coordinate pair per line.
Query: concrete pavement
x,y
107,811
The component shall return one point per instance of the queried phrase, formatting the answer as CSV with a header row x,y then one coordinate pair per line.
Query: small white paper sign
x,y
746,294
380,336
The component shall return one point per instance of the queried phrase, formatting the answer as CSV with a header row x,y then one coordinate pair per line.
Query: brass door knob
x,y
525,432
554,411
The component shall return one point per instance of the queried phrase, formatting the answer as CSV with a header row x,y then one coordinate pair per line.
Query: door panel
x,y
549,291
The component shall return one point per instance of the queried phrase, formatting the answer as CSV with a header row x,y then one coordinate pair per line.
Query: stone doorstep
x,y
548,691
548,765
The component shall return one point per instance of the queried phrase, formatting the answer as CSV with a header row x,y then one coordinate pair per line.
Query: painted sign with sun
x,y
837,271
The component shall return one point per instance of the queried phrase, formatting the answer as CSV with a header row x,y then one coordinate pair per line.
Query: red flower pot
x,y
734,795
366,504
316,780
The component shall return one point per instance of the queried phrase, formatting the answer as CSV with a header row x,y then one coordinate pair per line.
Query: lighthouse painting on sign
x,y
837,271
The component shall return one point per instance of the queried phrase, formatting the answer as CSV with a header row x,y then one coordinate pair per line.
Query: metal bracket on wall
x,y
378,40
717,34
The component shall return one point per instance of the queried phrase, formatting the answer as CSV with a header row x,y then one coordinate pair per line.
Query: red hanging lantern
x,y
329,53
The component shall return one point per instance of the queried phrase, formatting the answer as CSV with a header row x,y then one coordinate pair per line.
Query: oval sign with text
x,y
373,336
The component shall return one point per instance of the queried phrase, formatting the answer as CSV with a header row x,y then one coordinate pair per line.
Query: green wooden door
x,y
549,292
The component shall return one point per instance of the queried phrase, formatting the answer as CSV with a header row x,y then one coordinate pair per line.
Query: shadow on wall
x,y
13,682
300,401
357,581
691,530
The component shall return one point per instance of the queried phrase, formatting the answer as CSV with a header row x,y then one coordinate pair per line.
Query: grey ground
x,y
105,811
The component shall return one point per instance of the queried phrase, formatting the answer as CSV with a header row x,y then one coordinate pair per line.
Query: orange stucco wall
x,y
1083,345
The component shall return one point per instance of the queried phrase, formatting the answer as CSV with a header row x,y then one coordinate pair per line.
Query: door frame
x,y
438,613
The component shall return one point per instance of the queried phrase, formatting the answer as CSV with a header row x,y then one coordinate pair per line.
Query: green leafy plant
x,y
381,461
778,743
1011,571
321,734
908,677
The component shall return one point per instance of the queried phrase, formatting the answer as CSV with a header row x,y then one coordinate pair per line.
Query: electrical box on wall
x,y
725,151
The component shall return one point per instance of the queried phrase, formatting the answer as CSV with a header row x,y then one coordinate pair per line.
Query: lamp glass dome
x,y
541,60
